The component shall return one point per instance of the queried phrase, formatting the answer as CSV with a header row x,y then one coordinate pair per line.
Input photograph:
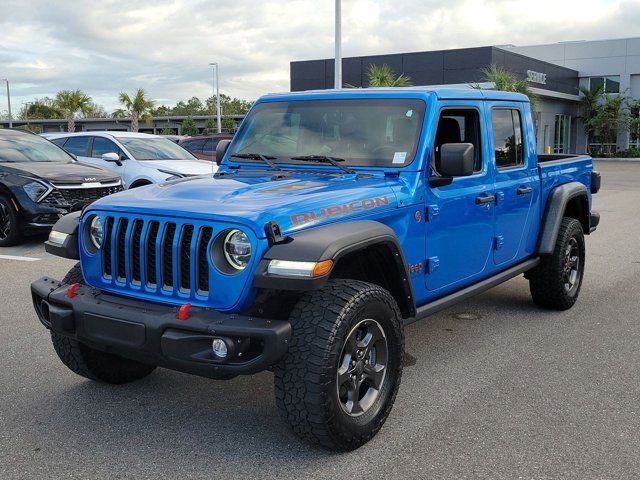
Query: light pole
x,y
8,102
217,93
337,83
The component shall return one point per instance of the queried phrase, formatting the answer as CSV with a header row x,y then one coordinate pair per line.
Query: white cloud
x,y
165,46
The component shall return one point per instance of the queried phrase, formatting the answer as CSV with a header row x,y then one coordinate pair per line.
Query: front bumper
x,y
152,333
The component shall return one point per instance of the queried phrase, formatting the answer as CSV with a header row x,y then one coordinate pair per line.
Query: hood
x,y
62,173
295,202
186,167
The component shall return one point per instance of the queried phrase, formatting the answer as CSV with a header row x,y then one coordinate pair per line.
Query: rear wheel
x,y
339,379
10,233
556,282
91,363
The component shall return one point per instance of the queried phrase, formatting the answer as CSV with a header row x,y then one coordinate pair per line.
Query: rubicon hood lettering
x,y
338,210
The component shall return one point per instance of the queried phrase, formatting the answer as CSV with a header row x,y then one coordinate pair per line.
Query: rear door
x,y
459,217
516,179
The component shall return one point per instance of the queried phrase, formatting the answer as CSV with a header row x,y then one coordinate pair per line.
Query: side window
x,y
507,137
458,126
77,145
208,147
194,146
59,141
103,145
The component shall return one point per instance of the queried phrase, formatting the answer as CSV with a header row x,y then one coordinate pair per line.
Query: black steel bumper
x,y
152,333
594,221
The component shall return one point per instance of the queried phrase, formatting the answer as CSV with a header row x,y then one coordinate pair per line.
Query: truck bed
x,y
558,169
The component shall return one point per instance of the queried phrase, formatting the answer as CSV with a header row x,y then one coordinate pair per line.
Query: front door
x,y
516,182
459,220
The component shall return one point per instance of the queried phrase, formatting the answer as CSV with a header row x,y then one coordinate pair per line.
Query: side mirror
x,y
456,159
112,157
221,149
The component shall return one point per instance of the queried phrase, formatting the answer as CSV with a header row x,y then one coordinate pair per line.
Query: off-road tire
x,y
546,281
306,381
14,235
91,363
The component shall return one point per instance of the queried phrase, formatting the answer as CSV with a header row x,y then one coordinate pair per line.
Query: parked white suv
x,y
139,158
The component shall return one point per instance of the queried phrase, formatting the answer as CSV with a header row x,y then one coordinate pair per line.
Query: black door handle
x,y
481,200
524,190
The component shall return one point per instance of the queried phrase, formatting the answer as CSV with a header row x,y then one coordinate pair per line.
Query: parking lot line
x,y
21,259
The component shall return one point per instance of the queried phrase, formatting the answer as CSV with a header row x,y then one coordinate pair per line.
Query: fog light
x,y
219,347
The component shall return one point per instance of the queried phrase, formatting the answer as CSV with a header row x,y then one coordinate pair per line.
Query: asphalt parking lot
x,y
494,388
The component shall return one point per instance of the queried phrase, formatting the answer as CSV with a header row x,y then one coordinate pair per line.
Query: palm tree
x,y
383,76
589,103
137,107
70,102
506,81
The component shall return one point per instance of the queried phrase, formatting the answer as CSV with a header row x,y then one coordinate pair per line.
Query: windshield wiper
x,y
323,158
257,156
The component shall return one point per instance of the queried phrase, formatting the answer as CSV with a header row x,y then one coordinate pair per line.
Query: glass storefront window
x,y
562,136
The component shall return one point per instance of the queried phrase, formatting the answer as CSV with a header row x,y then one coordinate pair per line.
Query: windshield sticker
x,y
399,157
409,113
338,210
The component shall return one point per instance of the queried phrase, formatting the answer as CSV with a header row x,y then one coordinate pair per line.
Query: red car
x,y
204,146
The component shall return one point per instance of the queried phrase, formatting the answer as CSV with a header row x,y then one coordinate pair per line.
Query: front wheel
x,y
555,283
91,363
340,376
10,233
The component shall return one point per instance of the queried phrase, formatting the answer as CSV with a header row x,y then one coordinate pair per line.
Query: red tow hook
x,y
183,311
71,291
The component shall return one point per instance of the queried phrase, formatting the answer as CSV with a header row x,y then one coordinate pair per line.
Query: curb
x,y
633,160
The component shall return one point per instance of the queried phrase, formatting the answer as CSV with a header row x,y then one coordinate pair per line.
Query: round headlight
x,y
237,249
96,231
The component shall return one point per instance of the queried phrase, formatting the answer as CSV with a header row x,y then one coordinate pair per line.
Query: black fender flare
x,y
68,225
332,242
554,212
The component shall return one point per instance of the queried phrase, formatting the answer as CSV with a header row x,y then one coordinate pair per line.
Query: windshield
x,y
364,132
155,149
22,148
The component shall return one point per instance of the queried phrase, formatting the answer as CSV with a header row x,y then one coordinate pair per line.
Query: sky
x,y
165,46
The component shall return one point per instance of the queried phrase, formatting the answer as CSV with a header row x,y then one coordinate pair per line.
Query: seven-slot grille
x,y
161,255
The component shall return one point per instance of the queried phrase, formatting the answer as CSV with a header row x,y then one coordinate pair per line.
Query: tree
x,y
228,105
70,102
40,108
383,76
506,81
609,119
589,102
228,124
95,111
189,127
138,107
208,125
119,113
167,131
634,122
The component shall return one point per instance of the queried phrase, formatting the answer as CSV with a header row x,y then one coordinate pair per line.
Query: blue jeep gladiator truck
x,y
336,219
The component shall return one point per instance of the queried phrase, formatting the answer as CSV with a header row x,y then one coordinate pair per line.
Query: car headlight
x,y
35,190
96,232
237,249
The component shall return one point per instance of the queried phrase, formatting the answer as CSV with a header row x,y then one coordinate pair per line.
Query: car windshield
x,y
23,148
155,149
363,132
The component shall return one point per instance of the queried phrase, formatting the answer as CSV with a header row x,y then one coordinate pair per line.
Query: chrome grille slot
x,y
167,255
121,254
184,248
134,248
151,273
202,260
106,253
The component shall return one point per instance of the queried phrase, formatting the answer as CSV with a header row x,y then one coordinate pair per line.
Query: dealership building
x,y
555,72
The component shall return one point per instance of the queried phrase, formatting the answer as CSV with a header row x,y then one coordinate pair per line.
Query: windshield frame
x,y
130,153
418,103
